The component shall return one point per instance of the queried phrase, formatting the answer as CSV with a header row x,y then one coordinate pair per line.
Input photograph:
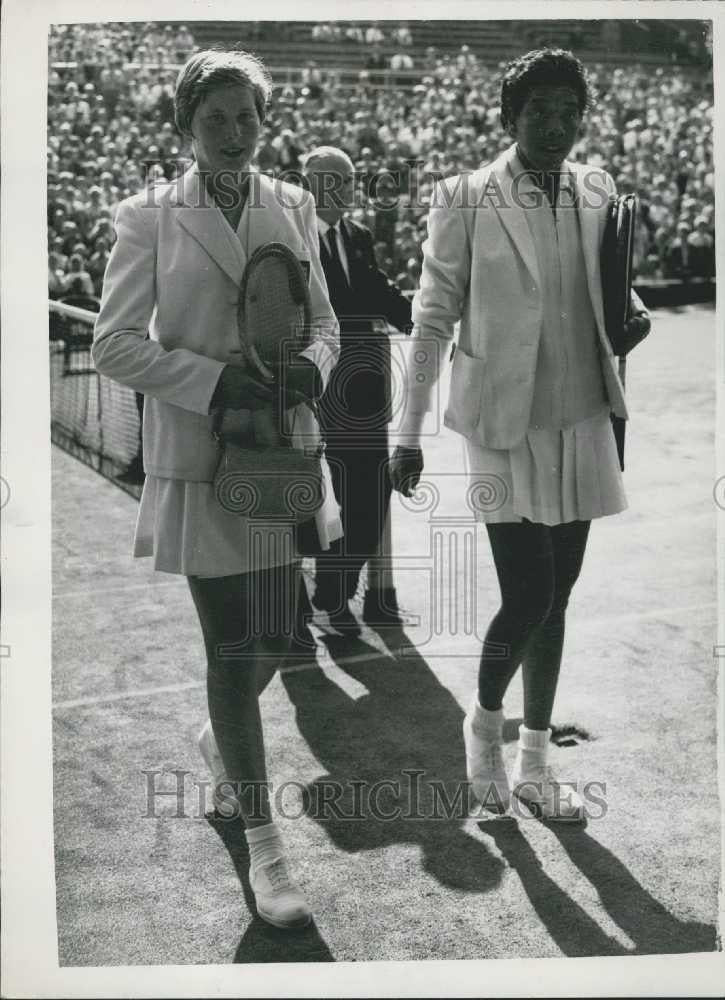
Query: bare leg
x,y
524,566
542,658
246,622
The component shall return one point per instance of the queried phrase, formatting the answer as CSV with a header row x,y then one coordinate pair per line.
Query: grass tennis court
x,y
636,708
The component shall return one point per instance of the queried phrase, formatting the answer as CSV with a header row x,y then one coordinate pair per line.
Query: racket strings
x,y
272,319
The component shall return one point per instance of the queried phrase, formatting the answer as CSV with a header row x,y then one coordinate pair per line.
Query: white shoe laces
x,y
540,772
492,755
276,872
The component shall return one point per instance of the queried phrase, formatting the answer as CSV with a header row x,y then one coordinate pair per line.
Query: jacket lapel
x,y
506,202
201,218
268,208
349,239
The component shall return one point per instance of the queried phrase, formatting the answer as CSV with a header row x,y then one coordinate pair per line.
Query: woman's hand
x,y
238,390
405,468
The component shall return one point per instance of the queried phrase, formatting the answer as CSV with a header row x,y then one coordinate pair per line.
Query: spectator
x,y
184,43
376,63
354,33
112,80
401,35
401,61
288,151
409,279
312,79
701,248
78,280
322,32
385,201
116,136
678,262
97,264
374,35
267,154
56,280
366,133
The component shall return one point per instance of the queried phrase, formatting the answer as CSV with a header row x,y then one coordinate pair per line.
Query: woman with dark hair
x,y
513,253
174,274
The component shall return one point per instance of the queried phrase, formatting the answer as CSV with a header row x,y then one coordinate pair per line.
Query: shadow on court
x,y
261,941
404,874
395,764
650,927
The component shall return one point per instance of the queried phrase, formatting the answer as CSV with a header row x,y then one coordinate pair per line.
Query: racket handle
x,y
259,364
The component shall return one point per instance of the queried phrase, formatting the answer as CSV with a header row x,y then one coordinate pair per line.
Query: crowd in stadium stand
x,y
111,131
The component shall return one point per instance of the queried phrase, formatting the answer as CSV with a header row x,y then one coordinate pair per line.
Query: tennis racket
x,y
274,316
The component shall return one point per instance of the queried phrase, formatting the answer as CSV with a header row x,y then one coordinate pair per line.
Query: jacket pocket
x,y
464,398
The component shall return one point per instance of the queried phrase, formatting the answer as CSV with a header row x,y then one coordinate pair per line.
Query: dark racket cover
x,y
616,270
616,267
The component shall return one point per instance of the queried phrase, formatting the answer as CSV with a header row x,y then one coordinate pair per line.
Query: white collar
x,y
323,227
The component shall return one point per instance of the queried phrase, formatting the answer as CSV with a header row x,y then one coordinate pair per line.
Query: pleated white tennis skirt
x,y
552,476
184,528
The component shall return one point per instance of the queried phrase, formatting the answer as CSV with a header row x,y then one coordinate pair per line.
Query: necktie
x,y
335,252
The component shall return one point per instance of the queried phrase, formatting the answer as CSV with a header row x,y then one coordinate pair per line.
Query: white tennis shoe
x,y
278,899
535,784
485,767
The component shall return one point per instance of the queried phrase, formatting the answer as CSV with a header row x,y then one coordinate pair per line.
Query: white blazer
x,y
480,267
174,273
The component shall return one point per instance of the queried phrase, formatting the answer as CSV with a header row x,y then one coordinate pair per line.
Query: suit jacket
x,y
174,273
358,398
480,268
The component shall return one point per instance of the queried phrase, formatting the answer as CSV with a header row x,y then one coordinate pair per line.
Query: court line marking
x,y
190,685
130,693
122,588
325,658
94,591
653,613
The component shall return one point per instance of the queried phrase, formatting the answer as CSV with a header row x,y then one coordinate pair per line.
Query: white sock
x,y
533,746
487,723
265,844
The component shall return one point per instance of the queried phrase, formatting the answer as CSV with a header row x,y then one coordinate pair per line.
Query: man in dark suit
x,y
678,257
356,407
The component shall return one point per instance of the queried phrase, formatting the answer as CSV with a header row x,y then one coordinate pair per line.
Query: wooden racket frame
x,y
298,288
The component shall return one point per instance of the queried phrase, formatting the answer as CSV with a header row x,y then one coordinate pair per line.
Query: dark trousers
x,y
362,488
137,460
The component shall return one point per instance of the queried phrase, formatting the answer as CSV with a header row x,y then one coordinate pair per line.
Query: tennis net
x,y
93,418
